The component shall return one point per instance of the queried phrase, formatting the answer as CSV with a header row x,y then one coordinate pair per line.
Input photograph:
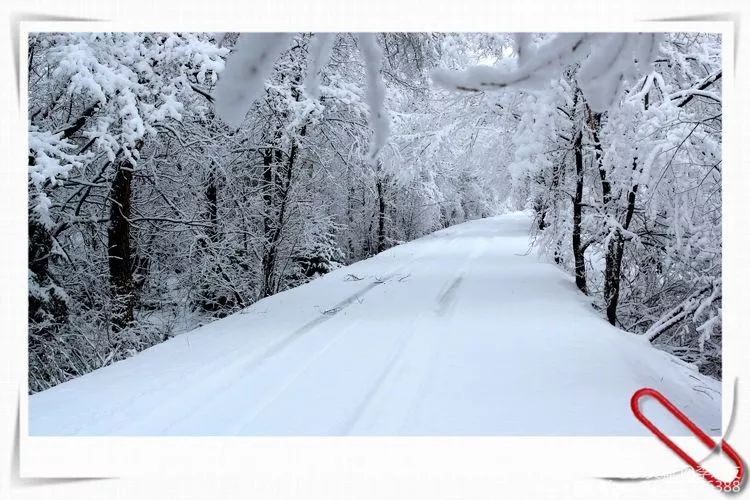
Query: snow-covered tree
x,y
178,177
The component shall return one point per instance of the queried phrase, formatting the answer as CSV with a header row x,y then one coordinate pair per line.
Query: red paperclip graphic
x,y
733,485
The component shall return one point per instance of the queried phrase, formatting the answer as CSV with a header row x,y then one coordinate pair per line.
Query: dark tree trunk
x,y
541,211
42,313
613,259
120,255
612,275
46,311
615,251
578,249
367,247
381,243
212,194
558,172
213,301
269,254
277,181
350,218
277,186
595,120
45,315
40,246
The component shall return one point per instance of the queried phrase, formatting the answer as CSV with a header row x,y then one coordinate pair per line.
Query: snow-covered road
x,y
460,332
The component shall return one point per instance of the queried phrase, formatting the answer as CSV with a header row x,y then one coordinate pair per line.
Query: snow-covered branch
x,y
373,56
693,305
320,52
607,62
698,90
247,68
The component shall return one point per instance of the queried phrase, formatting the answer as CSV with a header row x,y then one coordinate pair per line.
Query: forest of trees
x,y
157,204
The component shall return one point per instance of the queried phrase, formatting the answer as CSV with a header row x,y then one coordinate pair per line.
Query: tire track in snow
x,y
350,422
328,314
445,299
288,381
242,367
448,296
309,361
334,310
314,323
337,308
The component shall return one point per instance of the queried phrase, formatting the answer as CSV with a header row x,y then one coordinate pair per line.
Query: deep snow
x,y
462,332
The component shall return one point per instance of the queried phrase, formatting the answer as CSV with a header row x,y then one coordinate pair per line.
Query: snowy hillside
x,y
457,333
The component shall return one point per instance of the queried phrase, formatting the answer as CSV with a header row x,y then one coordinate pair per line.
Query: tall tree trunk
x,y
613,265
42,313
350,218
381,243
578,249
269,254
212,196
541,210
367,247
45,314
595,120
212,300
616,245
277,180
278,183
615,251
119,250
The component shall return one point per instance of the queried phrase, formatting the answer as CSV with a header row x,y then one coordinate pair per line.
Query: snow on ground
x,y
461,332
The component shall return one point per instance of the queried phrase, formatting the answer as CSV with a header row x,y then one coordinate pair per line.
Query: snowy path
x,y
458,332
